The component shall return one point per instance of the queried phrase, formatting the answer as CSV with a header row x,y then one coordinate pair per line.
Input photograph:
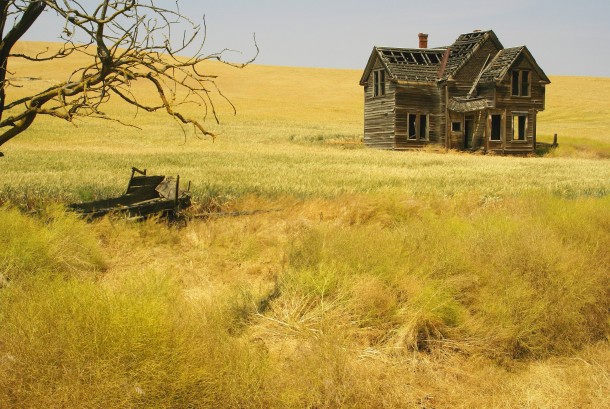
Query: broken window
x,y
496,127
412,126
418,126
525,83
423,127
520,86
378,83
456,126
519,127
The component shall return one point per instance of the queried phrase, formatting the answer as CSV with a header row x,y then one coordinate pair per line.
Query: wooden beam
x,y
476,81
416,83
486,131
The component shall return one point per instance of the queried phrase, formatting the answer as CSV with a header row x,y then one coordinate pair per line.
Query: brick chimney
x,y
423,40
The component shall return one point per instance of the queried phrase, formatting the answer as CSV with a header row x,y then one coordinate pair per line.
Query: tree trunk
x,y
31,13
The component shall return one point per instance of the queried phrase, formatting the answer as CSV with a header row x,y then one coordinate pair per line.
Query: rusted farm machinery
x,y
145,196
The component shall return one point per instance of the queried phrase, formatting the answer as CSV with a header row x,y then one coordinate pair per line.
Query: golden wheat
x,y
372,279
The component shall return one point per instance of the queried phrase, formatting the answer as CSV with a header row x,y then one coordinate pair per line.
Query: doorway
x,y
468,132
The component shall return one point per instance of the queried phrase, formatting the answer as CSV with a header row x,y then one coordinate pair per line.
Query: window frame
x,y
519,76
502,130
418,121
379,81
459,123
516,117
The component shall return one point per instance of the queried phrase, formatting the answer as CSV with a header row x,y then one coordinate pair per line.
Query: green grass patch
x,y
51,242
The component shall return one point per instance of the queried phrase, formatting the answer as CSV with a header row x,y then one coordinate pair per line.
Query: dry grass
x,y
369,301
577,110
380,279
294,137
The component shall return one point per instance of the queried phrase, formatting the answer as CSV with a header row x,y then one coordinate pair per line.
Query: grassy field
x,y
371,279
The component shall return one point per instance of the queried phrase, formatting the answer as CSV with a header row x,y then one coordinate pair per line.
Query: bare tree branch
x,y
127,41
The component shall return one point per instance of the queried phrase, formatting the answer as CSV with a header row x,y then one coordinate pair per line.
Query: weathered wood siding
x,y
473,67
460,89
443,124
461,86
479,123
536,100
507,144
420,99
462,83
386,117
501,99
456,138
488,91
379,114
518,104
516,146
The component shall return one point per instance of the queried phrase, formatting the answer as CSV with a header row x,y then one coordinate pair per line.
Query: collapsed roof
x,y
412,63
433,64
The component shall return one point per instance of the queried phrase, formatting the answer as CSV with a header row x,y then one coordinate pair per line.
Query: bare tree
x,y
127,41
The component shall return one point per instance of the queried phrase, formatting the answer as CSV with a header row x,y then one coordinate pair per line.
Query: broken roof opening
x,y
412,56
442,63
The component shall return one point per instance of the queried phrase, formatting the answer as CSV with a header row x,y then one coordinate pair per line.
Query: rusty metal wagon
x,y
145,196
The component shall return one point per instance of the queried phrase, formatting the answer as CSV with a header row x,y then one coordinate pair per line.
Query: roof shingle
x,y
500,64
412,64
424,64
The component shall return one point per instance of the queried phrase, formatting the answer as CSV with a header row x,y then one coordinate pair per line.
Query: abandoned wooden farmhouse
x,y
474,94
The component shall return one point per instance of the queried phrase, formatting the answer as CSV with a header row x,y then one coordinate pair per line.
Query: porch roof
x,y
468,104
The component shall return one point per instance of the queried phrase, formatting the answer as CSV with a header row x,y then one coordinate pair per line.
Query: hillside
x,y
351,277
576,106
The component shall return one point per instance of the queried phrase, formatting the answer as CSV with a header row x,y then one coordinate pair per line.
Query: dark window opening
x,y
496,127
520,86
417,127
423,127
378,83
456,126
412,126
525,83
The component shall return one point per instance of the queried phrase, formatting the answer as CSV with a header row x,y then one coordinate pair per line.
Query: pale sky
x,y
565,37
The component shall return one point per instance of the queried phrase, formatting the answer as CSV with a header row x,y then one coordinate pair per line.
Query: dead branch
x,y
127,42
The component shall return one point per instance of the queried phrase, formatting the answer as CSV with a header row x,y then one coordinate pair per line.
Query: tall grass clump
x,y
135,343
518,278
52,242
544,285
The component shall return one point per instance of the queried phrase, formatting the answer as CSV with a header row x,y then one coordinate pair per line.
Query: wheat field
x,y
353,277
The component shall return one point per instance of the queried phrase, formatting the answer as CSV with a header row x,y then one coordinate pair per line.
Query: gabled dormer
x,y
374,64
470,53
405,64
518,66
517,79
376,76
